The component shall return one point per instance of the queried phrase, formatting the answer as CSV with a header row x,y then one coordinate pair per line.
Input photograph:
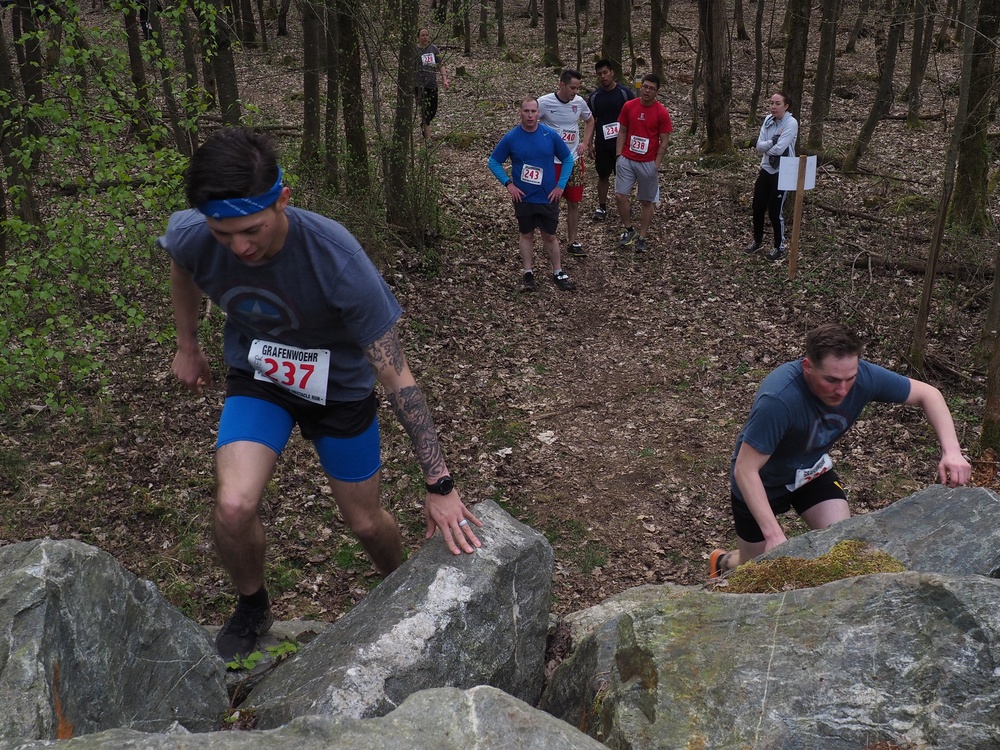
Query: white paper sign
x,y
788,173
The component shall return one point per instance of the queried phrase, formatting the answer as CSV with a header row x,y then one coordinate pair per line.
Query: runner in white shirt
x,y
563,111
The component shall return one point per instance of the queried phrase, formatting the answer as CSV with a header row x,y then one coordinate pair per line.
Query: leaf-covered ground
x,y
605,417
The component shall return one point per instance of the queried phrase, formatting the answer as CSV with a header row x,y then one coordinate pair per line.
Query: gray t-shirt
x,y
320,293
789,424
428,61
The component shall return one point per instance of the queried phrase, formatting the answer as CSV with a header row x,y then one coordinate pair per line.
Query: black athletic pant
x,y
768,199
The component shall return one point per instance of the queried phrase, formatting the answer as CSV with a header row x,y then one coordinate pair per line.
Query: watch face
x,y
443,486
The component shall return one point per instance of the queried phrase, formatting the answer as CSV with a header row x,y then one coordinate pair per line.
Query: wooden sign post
x,y
798,173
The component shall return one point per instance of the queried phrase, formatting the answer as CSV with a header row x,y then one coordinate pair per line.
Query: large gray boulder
x,y
909,658
441,620
86,646
936,530
442,719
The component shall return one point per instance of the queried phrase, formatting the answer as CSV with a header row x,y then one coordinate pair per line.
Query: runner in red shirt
x,y
642,141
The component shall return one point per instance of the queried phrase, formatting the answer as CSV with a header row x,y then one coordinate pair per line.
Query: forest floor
x,y
604,418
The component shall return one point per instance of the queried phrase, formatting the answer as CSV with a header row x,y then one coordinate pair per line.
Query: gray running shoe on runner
x,y
627,237
528,282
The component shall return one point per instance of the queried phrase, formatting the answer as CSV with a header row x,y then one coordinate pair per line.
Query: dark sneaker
x,y
600,214
776,254
239,635
627,237
576,250
528,282
752,248
640,244
563,281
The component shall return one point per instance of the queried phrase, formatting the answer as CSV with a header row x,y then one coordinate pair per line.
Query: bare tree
x,y
714,35
331,142
351,96
795,48
859,25
658,21
550,16
825,67
883,98
923,33
968,207
312,37
612,34
919,344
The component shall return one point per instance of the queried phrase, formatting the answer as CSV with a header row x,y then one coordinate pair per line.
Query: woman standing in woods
x,y
777,138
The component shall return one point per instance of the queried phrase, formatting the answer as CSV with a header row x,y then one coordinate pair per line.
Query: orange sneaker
x,y
715,566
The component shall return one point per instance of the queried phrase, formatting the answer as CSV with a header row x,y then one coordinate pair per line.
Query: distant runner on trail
x,y
562,111
425,85
310,326
800,410
606,103
533,189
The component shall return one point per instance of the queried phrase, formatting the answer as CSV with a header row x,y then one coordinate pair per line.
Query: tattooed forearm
x,y
387,353
411,410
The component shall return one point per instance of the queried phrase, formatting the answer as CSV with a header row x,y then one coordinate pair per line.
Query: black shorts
x,y
427,100
604,161
532,216
339,419
822,488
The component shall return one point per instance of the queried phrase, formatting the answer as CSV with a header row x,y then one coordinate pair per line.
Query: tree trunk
x,y
741,26
331,141
825,68
795,50
859,25
401,198
246,29
352,101
658,21
968,206
283,18
718,76
263,26
23,198
533,14
484,21
919,344
611,36
758,66
219,42
182,136
29,55
550,13
501,31
312,36
137,69
883,99
990,437
923,31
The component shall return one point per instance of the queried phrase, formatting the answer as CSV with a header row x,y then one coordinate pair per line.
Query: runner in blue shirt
x,y
532,187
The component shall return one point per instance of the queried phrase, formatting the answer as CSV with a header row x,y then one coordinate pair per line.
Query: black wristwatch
x,y
443,486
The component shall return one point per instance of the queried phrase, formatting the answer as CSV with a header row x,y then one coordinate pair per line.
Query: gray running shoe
x,y
640,244
528,283
752,248
627,237
576,250
776,254
600,214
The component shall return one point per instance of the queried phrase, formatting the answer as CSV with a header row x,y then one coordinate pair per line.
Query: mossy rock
x,y
845,560
461,139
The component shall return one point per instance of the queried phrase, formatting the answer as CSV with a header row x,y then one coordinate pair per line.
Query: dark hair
x,y
232,163
652,78
569,74
832,339
783,95
602,63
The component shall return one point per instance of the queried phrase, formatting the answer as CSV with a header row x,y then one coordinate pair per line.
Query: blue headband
x,y
230,207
